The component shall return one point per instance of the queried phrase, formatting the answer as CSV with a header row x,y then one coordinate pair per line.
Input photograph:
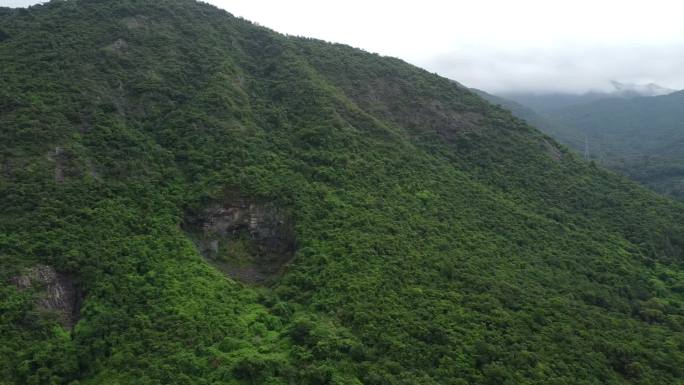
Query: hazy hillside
x,y
189,198
543,102
517,109
573,138
640,137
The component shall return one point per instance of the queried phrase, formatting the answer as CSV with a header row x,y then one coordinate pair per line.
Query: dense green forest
x,y
428,237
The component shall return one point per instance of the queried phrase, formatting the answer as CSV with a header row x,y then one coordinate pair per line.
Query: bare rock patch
x,y
58,292
59,158
249,240
119,46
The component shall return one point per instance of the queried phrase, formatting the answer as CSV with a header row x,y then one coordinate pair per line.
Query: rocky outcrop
x,y
119,46
553,151
57,292
250,241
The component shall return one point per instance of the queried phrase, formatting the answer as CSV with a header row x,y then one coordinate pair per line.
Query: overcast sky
x,y
497,45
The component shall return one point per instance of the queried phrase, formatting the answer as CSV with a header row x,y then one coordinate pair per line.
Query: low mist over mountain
x,y
189,198
634,90
546,102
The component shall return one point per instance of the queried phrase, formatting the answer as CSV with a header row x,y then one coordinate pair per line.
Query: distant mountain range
x,y
637,130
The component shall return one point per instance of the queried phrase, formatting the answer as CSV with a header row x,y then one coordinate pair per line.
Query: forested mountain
x,y
186,197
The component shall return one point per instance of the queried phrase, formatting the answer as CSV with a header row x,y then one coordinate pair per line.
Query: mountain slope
x,y
438,239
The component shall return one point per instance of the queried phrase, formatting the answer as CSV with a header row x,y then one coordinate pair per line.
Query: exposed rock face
x,y
58,293
386,94
250,241
59,158
120,45
552,150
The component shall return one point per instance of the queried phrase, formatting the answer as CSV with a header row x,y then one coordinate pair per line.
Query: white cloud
x,y
18,3
499,45
562,69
